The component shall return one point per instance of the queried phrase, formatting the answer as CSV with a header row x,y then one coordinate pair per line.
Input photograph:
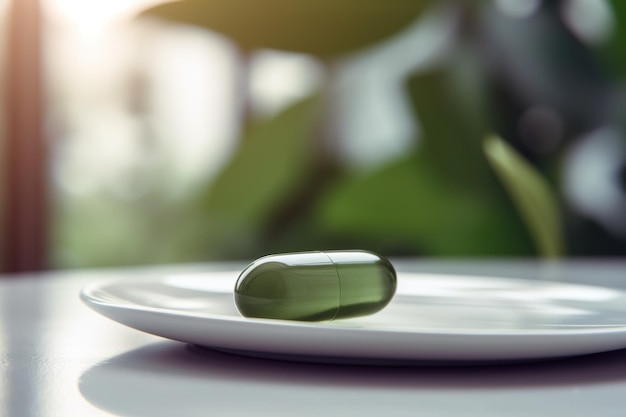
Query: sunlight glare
x,y
91,17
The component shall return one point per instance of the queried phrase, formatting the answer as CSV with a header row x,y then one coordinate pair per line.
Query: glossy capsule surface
x,y
315,286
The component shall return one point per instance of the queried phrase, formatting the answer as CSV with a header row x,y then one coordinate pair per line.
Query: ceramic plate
x,y
432,319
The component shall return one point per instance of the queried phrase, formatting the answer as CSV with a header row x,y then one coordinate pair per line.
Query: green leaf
x,y
321,27
449,103
409,207
531,194
273,162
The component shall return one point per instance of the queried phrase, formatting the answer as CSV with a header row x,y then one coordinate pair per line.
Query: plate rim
x,y
87,295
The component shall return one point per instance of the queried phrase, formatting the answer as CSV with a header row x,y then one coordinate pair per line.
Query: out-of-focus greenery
x,y
532,80
285,190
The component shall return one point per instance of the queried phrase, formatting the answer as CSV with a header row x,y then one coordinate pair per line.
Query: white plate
x,y
432,319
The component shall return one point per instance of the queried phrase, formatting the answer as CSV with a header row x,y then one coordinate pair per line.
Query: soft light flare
x,y
91,17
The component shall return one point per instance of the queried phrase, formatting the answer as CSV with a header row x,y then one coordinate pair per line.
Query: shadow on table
x,y
168,378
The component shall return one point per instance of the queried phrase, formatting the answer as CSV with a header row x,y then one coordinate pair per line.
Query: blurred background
x,y
229,129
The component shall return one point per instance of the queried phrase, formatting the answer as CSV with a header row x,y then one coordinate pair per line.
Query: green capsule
x,y
315,286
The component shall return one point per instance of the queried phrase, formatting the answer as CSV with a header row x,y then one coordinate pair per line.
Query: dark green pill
x,y
315,286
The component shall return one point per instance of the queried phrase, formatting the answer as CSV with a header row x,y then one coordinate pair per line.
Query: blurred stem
x,y
531,194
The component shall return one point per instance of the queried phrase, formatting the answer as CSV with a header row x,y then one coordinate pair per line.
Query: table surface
x,y
59,358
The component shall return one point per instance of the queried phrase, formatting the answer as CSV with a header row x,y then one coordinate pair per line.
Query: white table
x,y
59,358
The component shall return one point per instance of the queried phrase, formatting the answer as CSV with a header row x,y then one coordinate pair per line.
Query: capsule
x,y
315,286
